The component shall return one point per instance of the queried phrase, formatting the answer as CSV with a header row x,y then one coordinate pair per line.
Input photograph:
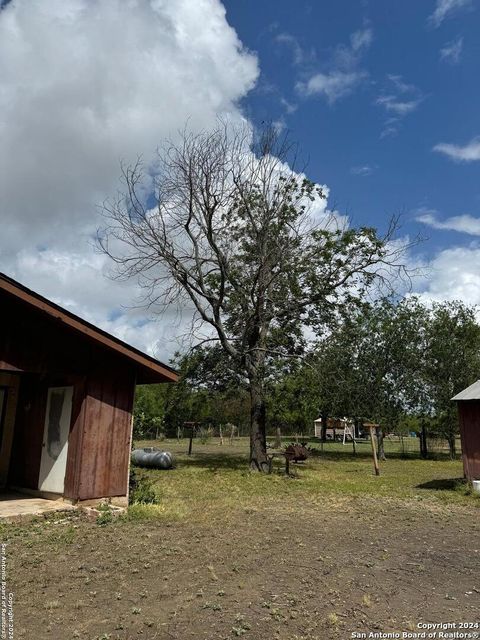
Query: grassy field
x,y
225,553
216,478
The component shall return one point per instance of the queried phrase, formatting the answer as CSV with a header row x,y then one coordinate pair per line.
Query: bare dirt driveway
x,y
273,559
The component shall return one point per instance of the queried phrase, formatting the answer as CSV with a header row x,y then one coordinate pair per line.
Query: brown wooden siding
x,y
105,448
469,414
75,438
100,433
47,353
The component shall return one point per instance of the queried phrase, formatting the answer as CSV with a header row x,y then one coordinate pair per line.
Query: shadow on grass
x,y
361,455
240,462
444,484
214,461
364,453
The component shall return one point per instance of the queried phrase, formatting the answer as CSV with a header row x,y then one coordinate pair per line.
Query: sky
x,y
382,97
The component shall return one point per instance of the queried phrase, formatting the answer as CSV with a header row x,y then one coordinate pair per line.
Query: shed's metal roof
x,y
470,393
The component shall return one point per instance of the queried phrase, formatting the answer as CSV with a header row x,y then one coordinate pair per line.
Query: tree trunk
x,y
258,439
278,439
324,426
451,445
381,444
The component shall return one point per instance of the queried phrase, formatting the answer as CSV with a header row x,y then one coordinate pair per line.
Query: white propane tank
x,y
476,486
153,458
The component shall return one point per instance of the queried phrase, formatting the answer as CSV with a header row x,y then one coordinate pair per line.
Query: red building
x,y
468,402
66,398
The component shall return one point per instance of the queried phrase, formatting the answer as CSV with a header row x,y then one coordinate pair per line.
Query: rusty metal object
x,y
296,452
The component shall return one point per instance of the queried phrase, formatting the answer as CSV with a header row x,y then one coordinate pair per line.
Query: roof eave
x,y
147,366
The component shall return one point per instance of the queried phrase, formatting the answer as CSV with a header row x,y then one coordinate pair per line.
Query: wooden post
x,y
190,442
221,435
423,441
374,451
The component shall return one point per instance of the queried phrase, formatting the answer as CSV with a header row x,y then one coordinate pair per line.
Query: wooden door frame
x,y
11,382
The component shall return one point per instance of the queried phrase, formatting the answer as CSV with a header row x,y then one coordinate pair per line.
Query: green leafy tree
x,y
149,410
389,362
394,360
452,361
244,240
208,392
369,364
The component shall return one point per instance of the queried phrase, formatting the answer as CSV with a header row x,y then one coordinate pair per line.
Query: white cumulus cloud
x,y
454,274
398,107
452,51
343,73
363,170
85,85
399,100
445,8
466,153
464,223
333,85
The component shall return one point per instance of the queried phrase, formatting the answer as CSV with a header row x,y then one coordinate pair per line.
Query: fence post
x,y
374,451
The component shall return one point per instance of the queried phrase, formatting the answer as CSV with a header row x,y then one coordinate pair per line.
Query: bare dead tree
x,y
246,240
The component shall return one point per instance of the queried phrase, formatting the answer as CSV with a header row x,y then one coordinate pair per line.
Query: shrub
x,y
105,516
141,489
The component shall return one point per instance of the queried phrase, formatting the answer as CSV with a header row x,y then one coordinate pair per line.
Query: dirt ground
x,y
291,569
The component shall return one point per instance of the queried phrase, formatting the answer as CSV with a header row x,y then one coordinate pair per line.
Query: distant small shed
x,y
468,402
337,428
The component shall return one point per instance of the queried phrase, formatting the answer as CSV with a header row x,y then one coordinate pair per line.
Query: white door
x,y
55,439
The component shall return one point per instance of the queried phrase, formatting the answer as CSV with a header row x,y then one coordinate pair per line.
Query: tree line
x,y
395,363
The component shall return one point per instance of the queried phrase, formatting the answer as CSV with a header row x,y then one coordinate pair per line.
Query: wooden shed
x,y
66,399
468,402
